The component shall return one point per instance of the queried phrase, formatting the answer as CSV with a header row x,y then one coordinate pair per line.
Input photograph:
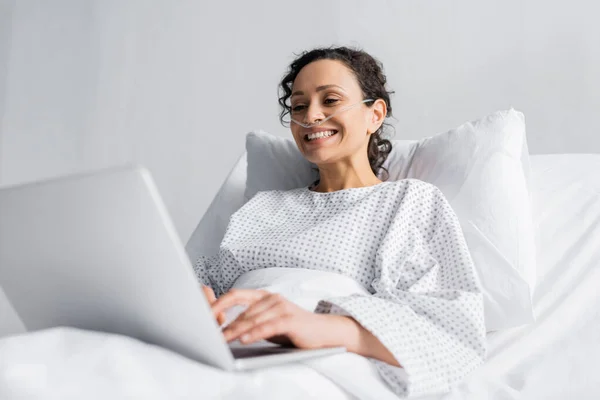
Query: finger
x,y
209,294
241,326
211,298
261,305
237,297
273,327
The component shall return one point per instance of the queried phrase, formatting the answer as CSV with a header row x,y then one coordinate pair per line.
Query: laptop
x,y
98,251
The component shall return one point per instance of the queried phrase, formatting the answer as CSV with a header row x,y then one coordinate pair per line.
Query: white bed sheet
x,y
66,363
556,358
98,365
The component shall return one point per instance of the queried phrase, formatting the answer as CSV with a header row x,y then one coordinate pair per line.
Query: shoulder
x,y
266,200
277,194
412,191
413,185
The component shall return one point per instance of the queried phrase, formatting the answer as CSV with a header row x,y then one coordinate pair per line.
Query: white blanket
x,y
74,364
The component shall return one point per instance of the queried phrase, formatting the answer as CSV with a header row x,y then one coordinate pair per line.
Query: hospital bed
x,y
557,357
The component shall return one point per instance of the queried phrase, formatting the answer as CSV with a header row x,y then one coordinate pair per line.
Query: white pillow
x,y
207,237
482,167
275,163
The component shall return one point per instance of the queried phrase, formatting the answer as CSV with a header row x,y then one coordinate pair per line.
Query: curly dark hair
x,y
372,81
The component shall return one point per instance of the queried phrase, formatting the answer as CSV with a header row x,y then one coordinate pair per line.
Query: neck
x,y
341,176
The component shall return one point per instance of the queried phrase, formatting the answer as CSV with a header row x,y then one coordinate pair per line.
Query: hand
x,y
210,296
271,317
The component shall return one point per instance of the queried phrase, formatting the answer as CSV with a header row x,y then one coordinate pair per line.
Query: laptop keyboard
x,y
247,352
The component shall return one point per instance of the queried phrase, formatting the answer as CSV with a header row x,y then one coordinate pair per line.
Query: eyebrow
x,y
319,88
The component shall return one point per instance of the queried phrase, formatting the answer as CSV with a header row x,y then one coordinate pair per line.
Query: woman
x,y
422,321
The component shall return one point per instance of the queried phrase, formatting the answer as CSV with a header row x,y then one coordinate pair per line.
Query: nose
x,y
313,113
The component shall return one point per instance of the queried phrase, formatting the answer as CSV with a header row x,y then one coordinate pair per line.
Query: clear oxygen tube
x,y
329,117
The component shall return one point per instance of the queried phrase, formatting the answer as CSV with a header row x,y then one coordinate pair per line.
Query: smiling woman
x,y
420,317
346,89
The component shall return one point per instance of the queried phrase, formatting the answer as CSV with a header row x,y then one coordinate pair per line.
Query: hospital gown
x,y
402,241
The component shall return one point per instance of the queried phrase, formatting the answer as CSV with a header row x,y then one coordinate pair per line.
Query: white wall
x,y
175,85
6,8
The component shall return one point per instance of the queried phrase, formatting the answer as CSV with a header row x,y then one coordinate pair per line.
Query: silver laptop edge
x,y
99,251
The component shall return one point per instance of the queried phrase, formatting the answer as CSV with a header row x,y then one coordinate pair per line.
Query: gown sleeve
x,y
426,307
204,268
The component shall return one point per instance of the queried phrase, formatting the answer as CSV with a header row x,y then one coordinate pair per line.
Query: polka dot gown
x,y
402,241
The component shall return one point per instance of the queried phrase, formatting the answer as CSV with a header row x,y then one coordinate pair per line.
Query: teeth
x,y
319,135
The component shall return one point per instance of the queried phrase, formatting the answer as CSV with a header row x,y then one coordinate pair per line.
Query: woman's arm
x,y
426,307
346,331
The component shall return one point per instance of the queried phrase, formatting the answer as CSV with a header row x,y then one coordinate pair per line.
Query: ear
x,y
377,115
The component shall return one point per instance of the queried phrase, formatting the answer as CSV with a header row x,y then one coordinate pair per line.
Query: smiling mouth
x,y
318,136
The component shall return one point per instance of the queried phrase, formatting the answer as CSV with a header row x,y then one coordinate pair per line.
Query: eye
x,y
299,107
328,101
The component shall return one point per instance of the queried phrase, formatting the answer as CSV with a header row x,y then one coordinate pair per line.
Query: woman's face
x,y
320,89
